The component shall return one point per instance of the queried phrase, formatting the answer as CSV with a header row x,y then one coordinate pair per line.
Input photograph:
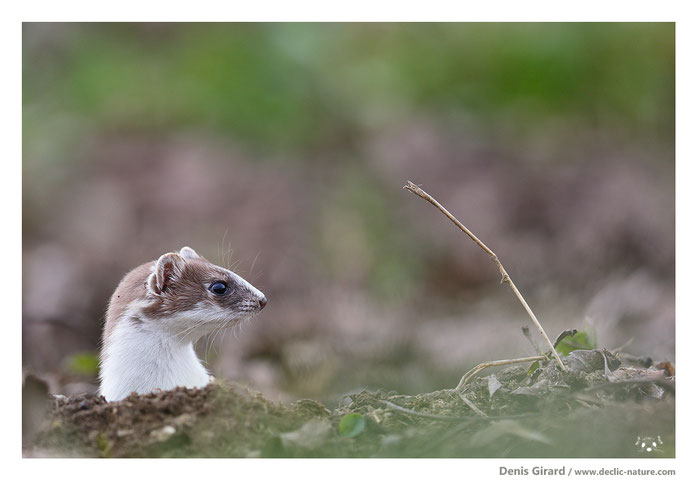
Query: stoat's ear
x,y
188,253
168,269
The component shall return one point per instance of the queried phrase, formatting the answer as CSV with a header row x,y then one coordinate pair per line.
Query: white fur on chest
x,y
142,359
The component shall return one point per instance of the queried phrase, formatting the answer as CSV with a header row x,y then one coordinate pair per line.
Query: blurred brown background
x,y
282,150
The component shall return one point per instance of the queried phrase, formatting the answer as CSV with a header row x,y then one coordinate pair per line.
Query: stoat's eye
x,y
219,288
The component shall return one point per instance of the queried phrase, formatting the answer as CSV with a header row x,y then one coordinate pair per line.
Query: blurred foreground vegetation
x,y
598,408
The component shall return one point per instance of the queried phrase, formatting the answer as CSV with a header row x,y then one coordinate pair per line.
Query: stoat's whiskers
x,y
211,341
190,329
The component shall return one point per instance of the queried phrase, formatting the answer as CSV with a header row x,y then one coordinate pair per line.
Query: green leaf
x,y
568,342
533,368
83,364
103,445
352,425
581,340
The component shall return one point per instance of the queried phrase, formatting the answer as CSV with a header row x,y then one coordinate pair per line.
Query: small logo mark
x,y
649,444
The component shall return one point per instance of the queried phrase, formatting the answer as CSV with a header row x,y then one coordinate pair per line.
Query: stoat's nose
x,y
263,302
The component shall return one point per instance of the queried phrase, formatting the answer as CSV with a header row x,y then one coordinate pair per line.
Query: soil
x,y
602,406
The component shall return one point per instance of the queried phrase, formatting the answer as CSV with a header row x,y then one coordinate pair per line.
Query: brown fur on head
x,y
176,291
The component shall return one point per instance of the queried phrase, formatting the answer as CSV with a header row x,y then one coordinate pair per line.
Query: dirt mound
x,y
599,407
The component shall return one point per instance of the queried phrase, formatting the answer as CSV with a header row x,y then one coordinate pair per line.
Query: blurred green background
x,y
283,148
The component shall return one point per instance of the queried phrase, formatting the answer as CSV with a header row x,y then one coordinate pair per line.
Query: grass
x,y
293,86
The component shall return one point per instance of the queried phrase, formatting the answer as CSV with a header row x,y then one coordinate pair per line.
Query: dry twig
x,y
484,365
471,404
623,346
417,413
481,417
415,189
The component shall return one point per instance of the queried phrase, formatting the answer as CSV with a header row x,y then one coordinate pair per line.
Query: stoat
x,y
158,311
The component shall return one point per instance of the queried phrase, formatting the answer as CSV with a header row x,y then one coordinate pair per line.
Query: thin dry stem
x,y
417,413
415,189
484,365
623,346
471,405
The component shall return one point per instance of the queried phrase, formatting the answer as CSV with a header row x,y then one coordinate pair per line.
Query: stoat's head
x,y
189,297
